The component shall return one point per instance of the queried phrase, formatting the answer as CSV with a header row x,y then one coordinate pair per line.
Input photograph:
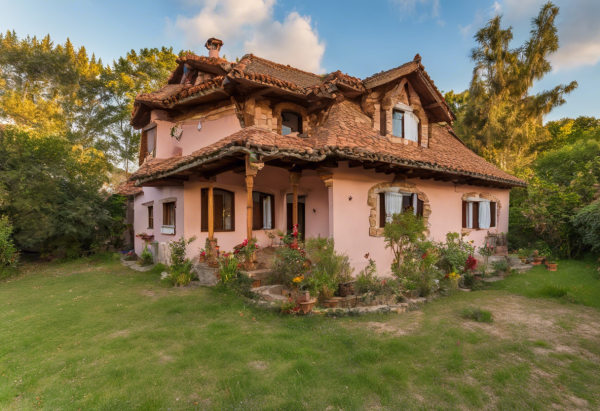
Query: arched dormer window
x,y
291,122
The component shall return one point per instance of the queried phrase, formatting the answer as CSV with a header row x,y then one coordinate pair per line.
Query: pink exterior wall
x,y
191,139
270,180
351,217
154,196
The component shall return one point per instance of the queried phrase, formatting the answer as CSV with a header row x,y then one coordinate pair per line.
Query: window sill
x,y
400,140
218,231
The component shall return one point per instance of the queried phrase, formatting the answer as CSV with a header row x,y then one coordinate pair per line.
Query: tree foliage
x,y
498,117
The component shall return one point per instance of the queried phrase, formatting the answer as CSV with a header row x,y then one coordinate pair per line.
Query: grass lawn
x,y
94,335
577,281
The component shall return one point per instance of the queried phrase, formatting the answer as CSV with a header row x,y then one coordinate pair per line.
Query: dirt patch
x,y
122,333
148,293
164,359
258,365
384,328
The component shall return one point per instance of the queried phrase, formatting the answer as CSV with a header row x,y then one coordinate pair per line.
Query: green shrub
x,y
146,258
418,271
182,275
177,257
454,253
228,267
367,280
477,314
9,256
500,267
328,267
402,235
288,262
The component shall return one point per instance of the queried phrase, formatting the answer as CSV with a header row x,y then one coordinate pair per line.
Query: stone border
x,y
374,230
487,196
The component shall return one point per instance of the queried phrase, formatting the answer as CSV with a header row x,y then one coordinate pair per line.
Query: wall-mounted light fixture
x,y
350,198
200,125
314,210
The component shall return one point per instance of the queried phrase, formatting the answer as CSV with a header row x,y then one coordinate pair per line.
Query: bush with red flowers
x,y
471,264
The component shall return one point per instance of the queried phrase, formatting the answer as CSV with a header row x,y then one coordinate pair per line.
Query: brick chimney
x,y
214,46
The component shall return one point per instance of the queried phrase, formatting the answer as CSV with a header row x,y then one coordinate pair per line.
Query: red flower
x,y
471,263
424,256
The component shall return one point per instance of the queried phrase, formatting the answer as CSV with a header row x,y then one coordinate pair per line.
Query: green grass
x,y
574,281
91,334
477,314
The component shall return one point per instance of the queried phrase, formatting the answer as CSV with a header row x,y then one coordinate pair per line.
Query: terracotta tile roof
x,y
346,133
384,76
252,66
169,95
127,188
249,138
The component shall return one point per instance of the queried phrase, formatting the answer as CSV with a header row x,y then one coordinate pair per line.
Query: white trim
x,y
403,107
168,200
150,126
149,203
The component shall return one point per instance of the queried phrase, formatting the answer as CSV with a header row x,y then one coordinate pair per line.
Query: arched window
x,y
291,122
395,202
223,209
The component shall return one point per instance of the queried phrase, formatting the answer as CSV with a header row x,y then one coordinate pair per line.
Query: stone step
x,y
207,276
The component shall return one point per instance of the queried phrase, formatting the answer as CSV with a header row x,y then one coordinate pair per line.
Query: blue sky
x,y
358,37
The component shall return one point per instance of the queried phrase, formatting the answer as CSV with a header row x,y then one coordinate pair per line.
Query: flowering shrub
x,y
486,250
289,262
328,267
454,253
471,264
418,270
247,248
146,258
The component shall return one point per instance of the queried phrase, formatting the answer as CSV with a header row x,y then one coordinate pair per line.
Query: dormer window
x,y
405,124
291,122
151,141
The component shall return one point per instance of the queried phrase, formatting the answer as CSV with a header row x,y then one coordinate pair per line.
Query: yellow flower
x,y
298,279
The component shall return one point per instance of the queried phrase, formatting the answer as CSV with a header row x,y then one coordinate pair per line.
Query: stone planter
x,y
537,260
331,303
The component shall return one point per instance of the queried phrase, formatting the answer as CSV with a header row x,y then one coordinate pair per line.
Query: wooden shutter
x,y
204,209
381,209
272,211
476,215
150,216
382,122
464,213
218,203
493,214
420,204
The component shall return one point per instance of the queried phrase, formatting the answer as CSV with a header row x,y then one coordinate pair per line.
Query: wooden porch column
x,y
211,212
252,167
294,180
249,186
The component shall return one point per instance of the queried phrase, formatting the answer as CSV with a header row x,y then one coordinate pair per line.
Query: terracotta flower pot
x,y
202,259
256,283
551,266
307,306
332,303
303,297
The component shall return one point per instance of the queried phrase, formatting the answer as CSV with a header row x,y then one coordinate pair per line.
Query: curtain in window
x,y
267,223
393,205
227,211
151,140
411,126
469,215
484,214
397,123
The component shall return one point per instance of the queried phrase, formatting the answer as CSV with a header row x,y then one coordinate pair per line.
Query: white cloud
x,y
578,29
478,21
424,9
248,26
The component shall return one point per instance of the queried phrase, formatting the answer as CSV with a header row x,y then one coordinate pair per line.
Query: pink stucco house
x,y
231,150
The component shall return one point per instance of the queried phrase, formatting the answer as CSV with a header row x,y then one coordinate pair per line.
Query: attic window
x,y
405,124
291,122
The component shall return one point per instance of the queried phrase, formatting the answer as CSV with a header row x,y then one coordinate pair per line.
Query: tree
x,y
136,72
501,120
51,190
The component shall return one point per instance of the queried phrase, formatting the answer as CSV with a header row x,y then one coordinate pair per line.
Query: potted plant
x,y
288,306
306,307
248,249
551,265
145,237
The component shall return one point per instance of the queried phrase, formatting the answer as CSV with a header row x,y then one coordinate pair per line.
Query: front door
x,y
301,214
